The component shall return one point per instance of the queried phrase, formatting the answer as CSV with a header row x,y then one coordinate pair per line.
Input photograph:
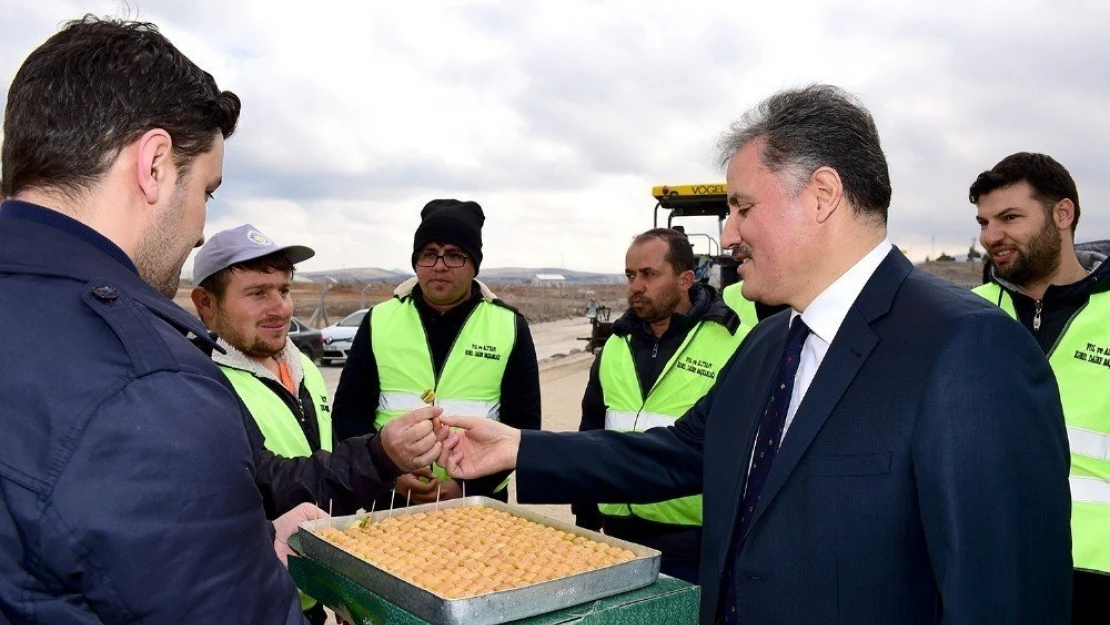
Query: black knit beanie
x,y
451,221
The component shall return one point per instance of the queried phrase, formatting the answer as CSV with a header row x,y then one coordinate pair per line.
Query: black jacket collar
x,y
705,305
1094,259
38,241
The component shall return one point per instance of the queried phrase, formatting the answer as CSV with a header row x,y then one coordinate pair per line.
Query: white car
x,y
338,337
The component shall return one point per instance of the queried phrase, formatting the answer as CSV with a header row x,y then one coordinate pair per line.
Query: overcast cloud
x,y
559,116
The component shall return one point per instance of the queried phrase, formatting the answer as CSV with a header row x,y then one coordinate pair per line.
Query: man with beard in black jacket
x,y
1028,207
663,356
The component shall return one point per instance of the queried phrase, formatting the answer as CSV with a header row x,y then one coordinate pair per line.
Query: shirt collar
x,y
18,209
827,311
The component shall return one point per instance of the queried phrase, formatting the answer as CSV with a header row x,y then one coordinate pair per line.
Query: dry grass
x,y
537,304
966,274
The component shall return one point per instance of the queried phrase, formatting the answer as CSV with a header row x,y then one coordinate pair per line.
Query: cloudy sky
x,y
558,116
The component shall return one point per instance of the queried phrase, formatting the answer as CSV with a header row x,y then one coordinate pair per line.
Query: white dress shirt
x,y
824,316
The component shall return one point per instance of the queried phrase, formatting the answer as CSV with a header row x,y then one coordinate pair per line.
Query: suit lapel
x,y
849,350
743,421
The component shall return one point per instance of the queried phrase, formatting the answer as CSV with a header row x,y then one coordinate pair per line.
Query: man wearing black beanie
x,y
444,338
451,221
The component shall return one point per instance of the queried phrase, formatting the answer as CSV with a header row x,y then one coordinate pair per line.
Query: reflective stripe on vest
x,y
1089,443
283,432
744,308
1089,490
1081,361
685,379
628,421
390,402
469,383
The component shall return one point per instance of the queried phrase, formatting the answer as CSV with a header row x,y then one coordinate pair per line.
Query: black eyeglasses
x,y
450,259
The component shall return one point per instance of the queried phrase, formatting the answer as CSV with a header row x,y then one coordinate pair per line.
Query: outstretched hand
x,y
479,446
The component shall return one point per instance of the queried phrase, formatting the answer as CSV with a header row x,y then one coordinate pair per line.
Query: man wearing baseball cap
x,y
443,331
243,289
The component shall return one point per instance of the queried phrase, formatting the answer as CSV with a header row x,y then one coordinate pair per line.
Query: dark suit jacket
x,y
923,479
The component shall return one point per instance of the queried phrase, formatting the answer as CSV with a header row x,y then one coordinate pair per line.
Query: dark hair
x,y
1048,178
817,126
680,253
216,284
93,88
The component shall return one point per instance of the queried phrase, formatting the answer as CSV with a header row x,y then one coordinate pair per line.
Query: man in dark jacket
x,y
1028,208
130,474
243,294
444,338
663,356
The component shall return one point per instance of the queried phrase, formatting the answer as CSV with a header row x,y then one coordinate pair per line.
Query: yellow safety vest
x,y
744,308
685,379
470,382
279,425
284,435
1081,361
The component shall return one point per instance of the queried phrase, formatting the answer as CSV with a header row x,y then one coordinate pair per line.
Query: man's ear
x,y
686,280
1063,214
204,303
828,189
155,172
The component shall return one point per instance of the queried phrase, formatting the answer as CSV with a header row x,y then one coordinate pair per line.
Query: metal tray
x,y
491,608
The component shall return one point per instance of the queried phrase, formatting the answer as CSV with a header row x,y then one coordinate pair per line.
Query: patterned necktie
x,y
771,426
767,441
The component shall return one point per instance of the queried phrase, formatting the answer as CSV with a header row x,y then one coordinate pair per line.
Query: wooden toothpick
x,y
370,519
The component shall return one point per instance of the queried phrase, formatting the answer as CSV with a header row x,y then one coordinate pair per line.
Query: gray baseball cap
x,y
238,245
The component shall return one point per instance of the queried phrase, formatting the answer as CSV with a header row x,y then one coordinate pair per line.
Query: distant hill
x,y
494,275
363,275
524,275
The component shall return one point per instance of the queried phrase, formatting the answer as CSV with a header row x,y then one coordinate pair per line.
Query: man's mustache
x,y
741,252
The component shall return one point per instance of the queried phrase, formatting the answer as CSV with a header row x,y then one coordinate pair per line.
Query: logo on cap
x,y
259,238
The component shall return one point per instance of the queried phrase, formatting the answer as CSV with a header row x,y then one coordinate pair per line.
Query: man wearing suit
x,y
922,472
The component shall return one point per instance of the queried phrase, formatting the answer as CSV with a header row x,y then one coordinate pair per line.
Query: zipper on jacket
x,y
1037,306
296,406
436,373
300,409
291,401
1067,327
639,383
